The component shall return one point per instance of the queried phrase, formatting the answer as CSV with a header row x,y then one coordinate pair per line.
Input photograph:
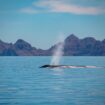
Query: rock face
x,y
72,44
73,47
84,47
20,48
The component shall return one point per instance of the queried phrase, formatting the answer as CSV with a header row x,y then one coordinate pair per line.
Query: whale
x,y
67,66
50,66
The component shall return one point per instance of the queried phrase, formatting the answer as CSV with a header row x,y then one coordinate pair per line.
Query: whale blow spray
x,y
58,51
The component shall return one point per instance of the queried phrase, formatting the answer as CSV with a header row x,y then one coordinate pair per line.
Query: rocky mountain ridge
x,y
73,46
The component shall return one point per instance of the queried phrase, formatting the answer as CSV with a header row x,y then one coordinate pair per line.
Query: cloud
x,y
62,6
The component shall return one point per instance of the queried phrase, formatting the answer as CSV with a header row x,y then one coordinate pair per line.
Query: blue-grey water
x,y
22,82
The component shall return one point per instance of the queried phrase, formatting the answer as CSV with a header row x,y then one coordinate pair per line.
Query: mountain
x,y
20,48
73,46
84,47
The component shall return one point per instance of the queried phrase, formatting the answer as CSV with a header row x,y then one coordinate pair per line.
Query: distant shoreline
x,y
73,46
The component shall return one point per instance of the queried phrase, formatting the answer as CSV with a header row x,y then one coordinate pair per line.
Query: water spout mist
x,y
58,51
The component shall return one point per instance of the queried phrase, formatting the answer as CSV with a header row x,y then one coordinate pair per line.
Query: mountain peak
x,y
89,38
71,37
20,41
2,42
21,44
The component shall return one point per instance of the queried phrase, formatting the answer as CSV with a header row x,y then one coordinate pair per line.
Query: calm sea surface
x,y
22,82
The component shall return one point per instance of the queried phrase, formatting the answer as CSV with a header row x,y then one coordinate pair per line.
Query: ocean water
x,y
22,82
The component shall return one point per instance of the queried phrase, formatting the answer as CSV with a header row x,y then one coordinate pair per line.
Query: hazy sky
x,y
40,21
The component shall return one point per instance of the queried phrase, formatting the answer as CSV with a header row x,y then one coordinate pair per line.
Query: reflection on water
x,y
22,82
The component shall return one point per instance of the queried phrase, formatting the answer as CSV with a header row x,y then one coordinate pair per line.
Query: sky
x,y
40,22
